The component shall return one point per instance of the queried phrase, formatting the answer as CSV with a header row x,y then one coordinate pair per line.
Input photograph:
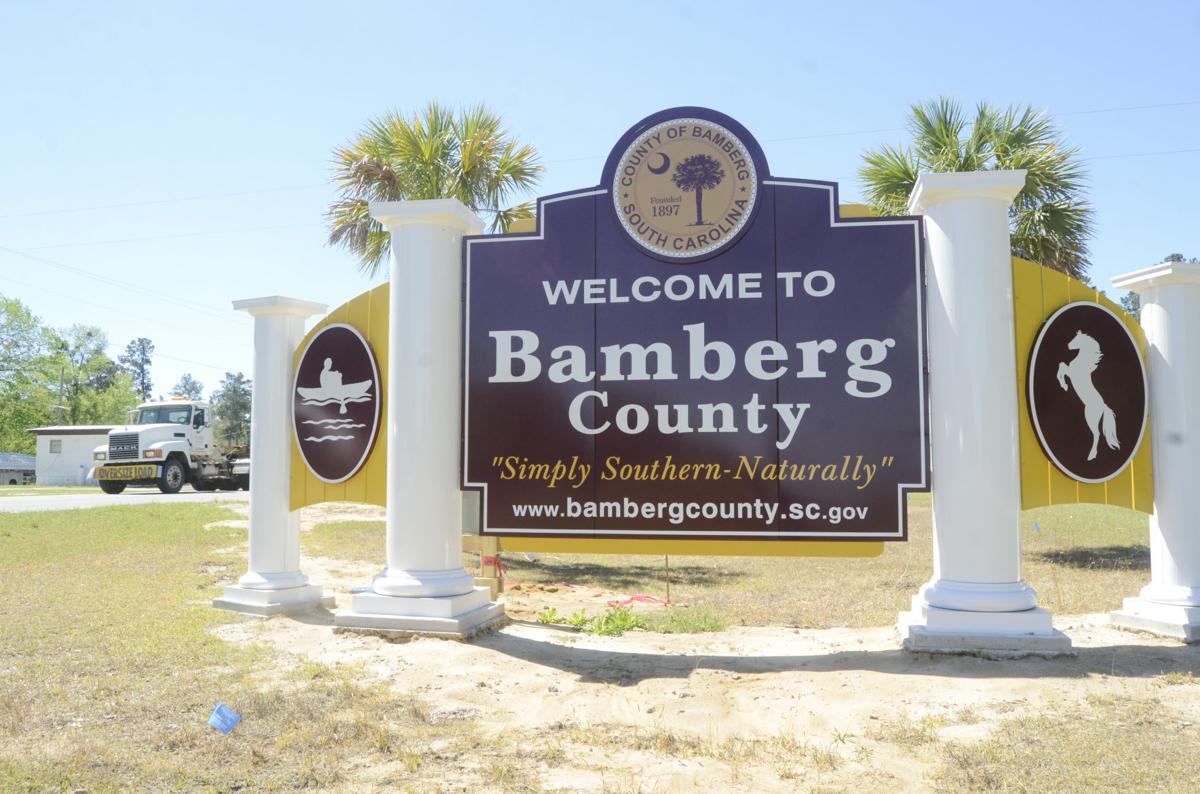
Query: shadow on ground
x,y
620,577
1110,558
628,669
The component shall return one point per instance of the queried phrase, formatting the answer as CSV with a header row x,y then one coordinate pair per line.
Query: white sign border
x,y
901,488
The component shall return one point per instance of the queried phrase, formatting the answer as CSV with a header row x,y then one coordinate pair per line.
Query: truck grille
x,y
123,446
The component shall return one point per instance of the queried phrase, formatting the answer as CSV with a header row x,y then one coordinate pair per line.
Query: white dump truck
x,y
168,444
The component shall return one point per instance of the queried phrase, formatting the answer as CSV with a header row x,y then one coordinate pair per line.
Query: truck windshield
x,y
162,414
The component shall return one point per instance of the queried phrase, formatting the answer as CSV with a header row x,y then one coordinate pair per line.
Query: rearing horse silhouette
x,y
1095,411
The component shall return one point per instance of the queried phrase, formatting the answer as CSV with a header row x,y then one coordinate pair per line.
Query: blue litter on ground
x,y
224,718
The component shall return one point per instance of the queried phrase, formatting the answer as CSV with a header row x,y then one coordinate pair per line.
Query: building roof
x,y
72,430
15,460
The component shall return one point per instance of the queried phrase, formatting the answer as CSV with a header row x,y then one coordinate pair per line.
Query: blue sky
x,y
182,149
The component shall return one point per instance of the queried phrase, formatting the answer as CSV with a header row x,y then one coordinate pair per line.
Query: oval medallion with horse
x,y
335,402
1087,392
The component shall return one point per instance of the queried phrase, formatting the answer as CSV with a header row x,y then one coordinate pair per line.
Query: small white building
x,y
64,453
16,468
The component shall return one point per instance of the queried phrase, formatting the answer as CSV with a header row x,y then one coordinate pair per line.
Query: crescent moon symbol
x,y
662,168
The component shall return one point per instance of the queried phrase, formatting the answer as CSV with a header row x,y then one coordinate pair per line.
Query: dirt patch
x,y
763,708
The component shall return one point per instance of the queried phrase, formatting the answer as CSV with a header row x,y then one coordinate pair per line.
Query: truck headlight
x,y
99,456
153,453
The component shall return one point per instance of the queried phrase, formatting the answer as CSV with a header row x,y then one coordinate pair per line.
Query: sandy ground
x,y
834,688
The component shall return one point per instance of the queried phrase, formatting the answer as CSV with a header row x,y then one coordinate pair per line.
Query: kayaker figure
x,y
331,379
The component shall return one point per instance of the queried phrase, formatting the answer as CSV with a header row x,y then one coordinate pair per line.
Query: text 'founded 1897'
x,y
695,349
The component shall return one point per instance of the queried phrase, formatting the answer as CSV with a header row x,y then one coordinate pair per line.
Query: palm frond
x,y
436,153
1051,221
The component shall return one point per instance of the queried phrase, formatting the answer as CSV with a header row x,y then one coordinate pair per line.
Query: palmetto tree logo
x,y
665,163
698,173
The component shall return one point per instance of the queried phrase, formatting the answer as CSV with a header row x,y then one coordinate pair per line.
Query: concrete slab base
x,y
991,634
286,601
1166,620
453,617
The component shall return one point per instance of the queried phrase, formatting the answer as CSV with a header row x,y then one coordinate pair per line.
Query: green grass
x,y
685,620
109,667
1110,745
44,490
109,670
353,541
1079,558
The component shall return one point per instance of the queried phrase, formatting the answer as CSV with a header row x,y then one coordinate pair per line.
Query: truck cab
x,y
168,443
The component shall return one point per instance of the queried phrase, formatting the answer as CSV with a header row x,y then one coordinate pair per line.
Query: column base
x,y
457,616
1167,620
284,601
423,584
1027,632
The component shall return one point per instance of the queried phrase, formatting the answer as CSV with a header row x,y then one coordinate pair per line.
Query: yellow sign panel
x,y
368,313
719,548
1037,293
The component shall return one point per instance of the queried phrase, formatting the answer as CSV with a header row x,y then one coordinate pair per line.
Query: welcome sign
x,y
695,349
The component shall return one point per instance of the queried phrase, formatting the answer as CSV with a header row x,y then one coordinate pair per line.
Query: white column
x,y
976,599
424,587
1170,299
274,582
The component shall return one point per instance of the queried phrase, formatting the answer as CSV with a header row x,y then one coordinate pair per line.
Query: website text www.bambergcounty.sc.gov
x,y
677,513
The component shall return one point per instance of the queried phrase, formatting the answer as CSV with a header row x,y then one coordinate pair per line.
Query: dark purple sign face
x,y
1087,392
695,349
335,403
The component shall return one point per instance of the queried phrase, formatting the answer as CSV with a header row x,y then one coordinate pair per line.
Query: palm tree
x,y
434,154
1050,219
699,173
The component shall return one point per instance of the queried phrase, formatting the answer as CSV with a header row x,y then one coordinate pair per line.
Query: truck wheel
x,y
243,482
108,486
173,476
200,485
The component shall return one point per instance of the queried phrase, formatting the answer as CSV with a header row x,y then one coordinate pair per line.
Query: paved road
x,y
79,501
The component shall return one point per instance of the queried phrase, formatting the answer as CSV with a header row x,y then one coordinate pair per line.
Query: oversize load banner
x,y
695,349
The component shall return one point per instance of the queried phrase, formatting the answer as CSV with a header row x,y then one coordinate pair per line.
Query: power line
x,y
159,354
112,345
169,236
849,133
148,202
1141,154
1129,107
189,305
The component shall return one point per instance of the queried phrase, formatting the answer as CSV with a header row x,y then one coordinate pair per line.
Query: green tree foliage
x,y
231,404
1050,220
52,377
136,361
1131,302
25,396
86,374
188,387
434,154
22,338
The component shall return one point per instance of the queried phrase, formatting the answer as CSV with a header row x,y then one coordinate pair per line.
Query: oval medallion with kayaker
x,y
335,402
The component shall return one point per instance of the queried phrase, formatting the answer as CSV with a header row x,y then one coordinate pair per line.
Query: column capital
x,y
1159,275
431,212
934,189
277,304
